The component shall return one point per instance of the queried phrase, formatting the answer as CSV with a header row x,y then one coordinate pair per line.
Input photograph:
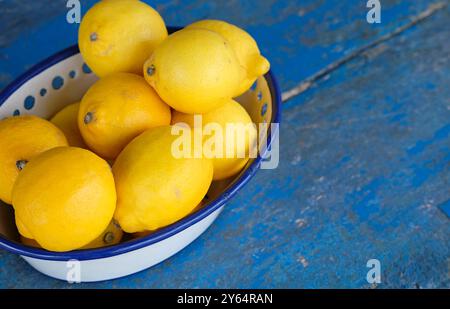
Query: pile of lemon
x,y
105,165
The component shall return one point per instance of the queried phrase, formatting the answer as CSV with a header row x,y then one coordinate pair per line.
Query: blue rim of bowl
x,y
162,234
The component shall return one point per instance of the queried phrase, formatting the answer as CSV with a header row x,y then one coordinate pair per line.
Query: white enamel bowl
x,y
63,79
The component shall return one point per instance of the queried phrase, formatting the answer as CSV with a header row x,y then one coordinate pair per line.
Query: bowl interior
x,y
64,78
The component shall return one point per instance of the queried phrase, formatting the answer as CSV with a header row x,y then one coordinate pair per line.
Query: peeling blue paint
x,y
441,134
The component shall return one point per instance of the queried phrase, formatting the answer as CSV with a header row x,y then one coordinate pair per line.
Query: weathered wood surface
x,y
365,153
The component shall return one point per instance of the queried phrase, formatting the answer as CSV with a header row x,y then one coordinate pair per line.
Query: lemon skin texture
x,y
155,188
67,121
118,36
23,231
21,139
116,109
65,198
229,113
111,236
194,71
245,47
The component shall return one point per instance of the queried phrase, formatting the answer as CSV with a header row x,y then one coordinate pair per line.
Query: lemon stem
x,y
93,37
88,118
20,164
151,70
108,238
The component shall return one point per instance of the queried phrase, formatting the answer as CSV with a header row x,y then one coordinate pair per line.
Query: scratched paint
x,y
364,168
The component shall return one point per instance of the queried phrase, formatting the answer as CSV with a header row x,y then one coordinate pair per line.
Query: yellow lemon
x,y
194,70
231,144
65,198
111,236
245,47
116,109
156,187
118,36
147,232
67,120
22,138
23,231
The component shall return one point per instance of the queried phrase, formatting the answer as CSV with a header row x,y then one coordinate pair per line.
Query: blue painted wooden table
x,y
365,147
